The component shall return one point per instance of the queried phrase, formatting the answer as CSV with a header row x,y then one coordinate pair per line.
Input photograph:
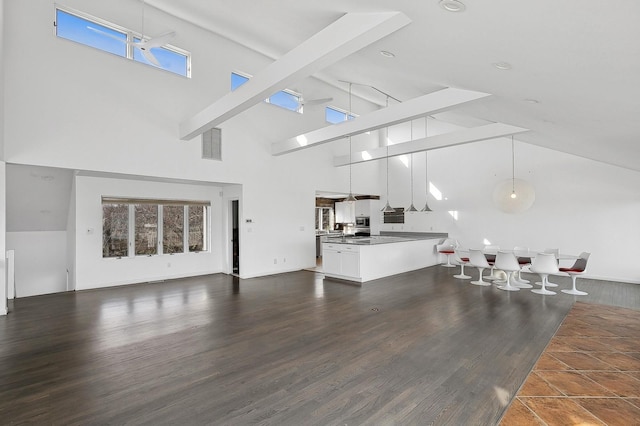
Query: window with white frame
x,y
286,98
148,227
335,115
106,36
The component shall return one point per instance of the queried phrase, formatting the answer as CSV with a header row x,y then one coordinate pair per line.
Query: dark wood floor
x,y
291,349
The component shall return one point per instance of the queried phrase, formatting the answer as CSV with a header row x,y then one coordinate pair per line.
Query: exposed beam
x,y
460,137
340,39
413,108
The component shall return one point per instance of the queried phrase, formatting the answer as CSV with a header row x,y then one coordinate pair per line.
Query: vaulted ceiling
x,y
573,66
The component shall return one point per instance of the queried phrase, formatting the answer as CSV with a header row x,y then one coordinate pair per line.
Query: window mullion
x,y
132,231
160,228
185,235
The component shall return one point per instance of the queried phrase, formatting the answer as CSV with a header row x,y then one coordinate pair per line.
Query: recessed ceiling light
x,y
387,54
452,5
502,65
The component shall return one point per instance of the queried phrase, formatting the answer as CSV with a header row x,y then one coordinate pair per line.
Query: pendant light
x,y
426,176
387,207
513,171
350,198
514,195
411,207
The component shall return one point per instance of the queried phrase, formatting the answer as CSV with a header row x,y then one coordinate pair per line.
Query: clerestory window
x,y
108,37
286,98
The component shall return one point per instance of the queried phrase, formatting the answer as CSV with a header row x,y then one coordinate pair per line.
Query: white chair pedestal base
x,y
508,287
543,291
522,280
479,281
462,277
574,290
548,284
518,283
448,264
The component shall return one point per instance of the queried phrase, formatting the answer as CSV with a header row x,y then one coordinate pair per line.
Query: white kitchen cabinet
x,y
366,261
341,260
345,212
363,208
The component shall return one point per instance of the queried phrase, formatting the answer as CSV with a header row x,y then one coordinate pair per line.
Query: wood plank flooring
x,y
291,349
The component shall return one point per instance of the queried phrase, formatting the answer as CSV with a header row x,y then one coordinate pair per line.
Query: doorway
x,y
235,238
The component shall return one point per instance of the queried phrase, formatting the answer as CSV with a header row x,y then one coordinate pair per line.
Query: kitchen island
x,y
361,259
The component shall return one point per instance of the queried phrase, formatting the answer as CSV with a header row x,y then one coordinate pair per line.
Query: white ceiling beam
x,y
460,137
347,35
399,113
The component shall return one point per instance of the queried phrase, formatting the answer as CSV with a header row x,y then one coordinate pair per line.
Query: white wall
x,y
581,204
3,174
71,239
93,271
3,236
40,261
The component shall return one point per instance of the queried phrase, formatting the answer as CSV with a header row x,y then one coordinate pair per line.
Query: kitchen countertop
x,y
373,240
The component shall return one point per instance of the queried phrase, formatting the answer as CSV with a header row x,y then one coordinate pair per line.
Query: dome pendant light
x,y
351,198
426,176
411,207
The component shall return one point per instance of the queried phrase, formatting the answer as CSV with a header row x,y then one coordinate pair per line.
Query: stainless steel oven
x,y
362,221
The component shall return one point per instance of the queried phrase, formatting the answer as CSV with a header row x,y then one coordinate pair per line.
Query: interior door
x,y
235,237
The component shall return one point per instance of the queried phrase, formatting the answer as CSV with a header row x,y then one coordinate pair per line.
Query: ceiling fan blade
x,y
160,40
150,57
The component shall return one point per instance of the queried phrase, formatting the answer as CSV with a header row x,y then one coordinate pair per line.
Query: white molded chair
x,y
524,259
577,269
507,262
555,252
447,247
462,257
477,259
544,264
491,259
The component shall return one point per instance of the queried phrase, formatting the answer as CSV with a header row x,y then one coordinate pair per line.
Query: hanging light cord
x,y
387,143
411,166
513,168
350,192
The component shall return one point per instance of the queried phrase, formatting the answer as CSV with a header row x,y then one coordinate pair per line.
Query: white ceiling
x,y
578,60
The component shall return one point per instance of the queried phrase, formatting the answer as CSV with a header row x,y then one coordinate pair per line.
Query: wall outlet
x,y
168,264
275,261
284,260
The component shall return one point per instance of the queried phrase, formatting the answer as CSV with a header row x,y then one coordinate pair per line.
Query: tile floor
x,y
589,374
